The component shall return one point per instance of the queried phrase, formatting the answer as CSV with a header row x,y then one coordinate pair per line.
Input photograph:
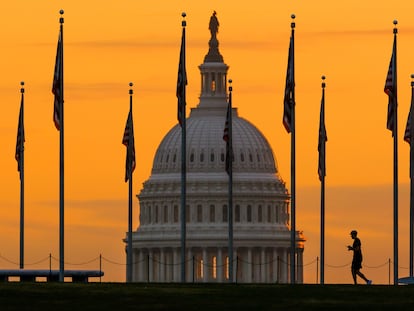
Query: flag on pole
x,y
181,82
409,135
20,140
289,89
408,128
322,138
390,88
226,138
129,142
56,87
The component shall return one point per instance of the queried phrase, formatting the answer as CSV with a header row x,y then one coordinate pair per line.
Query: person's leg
x,y
362,276
354,272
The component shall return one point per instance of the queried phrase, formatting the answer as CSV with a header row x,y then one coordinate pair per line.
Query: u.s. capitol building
x,y
261,235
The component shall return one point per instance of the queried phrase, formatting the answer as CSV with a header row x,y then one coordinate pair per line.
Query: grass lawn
x,y
119,296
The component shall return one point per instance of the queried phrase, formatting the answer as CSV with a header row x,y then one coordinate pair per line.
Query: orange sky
x,y
110,43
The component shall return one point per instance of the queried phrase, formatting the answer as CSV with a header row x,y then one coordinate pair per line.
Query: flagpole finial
x,y
22,88
412,79
395,22
61,12
131,85
323,82
292,25
183,23
230,86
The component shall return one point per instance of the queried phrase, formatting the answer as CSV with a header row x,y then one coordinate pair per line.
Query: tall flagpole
x,y
395,103
129,151
322,173
182,108
21,164
293,167
411,122
62,166
230,172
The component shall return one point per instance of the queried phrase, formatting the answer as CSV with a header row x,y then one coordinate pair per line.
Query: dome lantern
x,y
213,72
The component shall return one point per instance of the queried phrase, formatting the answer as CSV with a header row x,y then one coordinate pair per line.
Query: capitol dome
x,y
206,148
260,199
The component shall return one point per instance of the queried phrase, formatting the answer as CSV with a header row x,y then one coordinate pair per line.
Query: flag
x,y
181,82
289,90
129,142
20,140
322,140
57,84
226,137
390,89
408,128
408,135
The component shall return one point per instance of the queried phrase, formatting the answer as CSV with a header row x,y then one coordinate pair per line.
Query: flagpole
x,y
129,151
395,31
183,158
62,166
293,168
322,177
21,159
230,168
411,122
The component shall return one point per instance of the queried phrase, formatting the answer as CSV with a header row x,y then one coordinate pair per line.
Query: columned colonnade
x,y
210,264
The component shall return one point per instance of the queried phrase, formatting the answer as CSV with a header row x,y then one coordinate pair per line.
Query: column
x,y
162,265
151,265
299,275
284,266
205,265
220,265
140,264
248,277
263,265
177,266
275,267
190,273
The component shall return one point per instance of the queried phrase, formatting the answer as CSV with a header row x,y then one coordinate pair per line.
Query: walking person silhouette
x,y
357,258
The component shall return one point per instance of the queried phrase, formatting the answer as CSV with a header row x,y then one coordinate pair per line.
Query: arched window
x,y
259,214
199,213
269,213
213,83
237,214
149,209
192,157
156,214
214,266
277,214
175,213
225,213
165,213
249,213
187,213
212,213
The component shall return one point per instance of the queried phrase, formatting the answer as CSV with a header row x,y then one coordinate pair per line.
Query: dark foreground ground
x,y
118,296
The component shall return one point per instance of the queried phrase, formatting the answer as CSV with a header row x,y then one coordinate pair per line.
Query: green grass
x,y
117,296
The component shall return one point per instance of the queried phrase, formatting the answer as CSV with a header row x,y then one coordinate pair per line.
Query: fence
x,y
199,269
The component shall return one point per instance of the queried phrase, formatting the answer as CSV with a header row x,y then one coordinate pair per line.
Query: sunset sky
x,y
108,44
